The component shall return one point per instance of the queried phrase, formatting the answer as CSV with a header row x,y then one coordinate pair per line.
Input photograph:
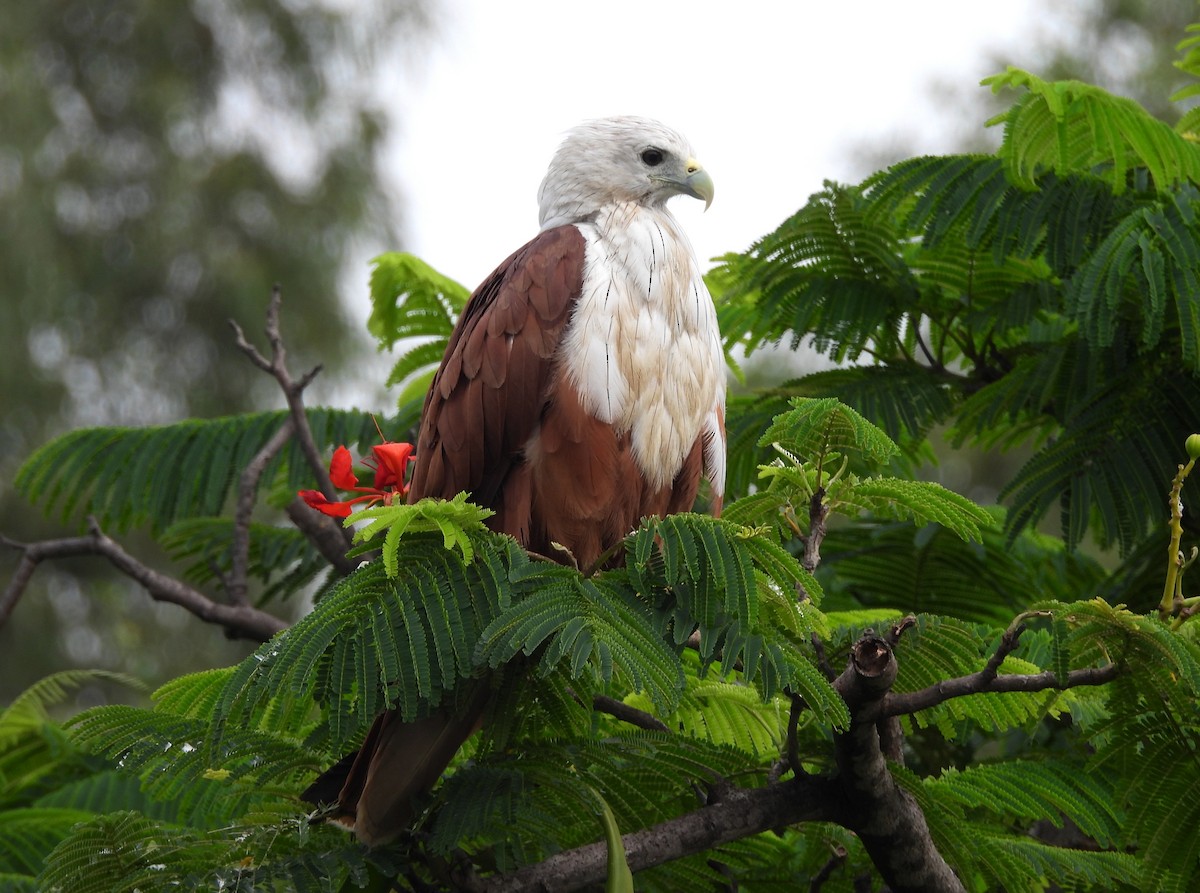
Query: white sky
x,y
773,95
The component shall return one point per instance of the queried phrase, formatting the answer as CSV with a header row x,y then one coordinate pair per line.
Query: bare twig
x,y
1009,641
989,680
237,585
933,362
835,861
330,539
31,555
822,658
899,628
976,683
293,389
239,621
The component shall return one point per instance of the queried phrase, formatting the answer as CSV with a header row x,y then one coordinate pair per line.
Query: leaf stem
x,y
1167,606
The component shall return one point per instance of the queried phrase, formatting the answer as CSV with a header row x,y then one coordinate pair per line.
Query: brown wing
x,y
488,397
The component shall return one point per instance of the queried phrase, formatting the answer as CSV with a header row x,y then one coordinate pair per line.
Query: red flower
x,y
390,461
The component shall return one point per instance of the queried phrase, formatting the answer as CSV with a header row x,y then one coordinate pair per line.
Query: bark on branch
x,y
862,796
740,813
330,539
238,585
885,817
239,621
293,389
988,680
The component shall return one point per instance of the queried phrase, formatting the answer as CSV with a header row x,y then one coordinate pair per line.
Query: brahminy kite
x,y
582,390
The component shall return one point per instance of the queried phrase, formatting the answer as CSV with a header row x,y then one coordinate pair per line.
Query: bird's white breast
x,y
643,349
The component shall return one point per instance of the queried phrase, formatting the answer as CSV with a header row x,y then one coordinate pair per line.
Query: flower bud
x,y
1192,445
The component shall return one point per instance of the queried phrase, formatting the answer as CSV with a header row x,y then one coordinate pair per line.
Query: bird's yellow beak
x,y
698,183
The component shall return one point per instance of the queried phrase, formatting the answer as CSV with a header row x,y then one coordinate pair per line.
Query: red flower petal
x,y
393,459
340,470
316,499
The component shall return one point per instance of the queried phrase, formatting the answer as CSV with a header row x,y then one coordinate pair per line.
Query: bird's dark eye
x,y
652,157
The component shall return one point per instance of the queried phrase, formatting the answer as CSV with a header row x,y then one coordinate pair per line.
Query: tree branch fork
x,y
234,612
861,795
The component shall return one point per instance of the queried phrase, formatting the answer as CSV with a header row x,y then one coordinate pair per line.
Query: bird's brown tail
x,y
397,762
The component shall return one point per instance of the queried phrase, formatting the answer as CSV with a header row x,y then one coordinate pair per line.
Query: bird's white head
x,y
623,159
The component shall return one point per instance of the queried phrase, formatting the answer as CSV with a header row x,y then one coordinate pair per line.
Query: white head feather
x,y
618,160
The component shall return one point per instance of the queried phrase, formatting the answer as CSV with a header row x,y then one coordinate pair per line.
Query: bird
x,y
581,390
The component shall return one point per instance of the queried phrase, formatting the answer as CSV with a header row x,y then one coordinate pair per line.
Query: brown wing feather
x,y
489,394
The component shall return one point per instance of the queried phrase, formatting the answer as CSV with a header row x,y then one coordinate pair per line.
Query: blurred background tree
x,y
161,166
1124,46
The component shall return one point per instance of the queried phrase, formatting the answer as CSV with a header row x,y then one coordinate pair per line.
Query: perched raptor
x,y
582,390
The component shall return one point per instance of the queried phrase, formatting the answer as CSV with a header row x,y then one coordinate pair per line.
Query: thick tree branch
x,y
740,813
885,817
33,554
326,534
239,621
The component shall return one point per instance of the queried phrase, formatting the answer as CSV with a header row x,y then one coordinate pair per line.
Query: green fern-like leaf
x,y
586,624
410,299
156,476
117,853
1070,126
36,757
705,564
919,501
280,557
830,270
876,566
1027,791
376,640
252,770
525,808
28,835
457,520
815,428
413,304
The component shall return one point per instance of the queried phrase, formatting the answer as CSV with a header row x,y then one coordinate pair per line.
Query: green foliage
x,y
155,476
279,557
929,569
1068,126
1056,309
41,770
522,809
816,436
620,878
456,519
412,302
378,641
